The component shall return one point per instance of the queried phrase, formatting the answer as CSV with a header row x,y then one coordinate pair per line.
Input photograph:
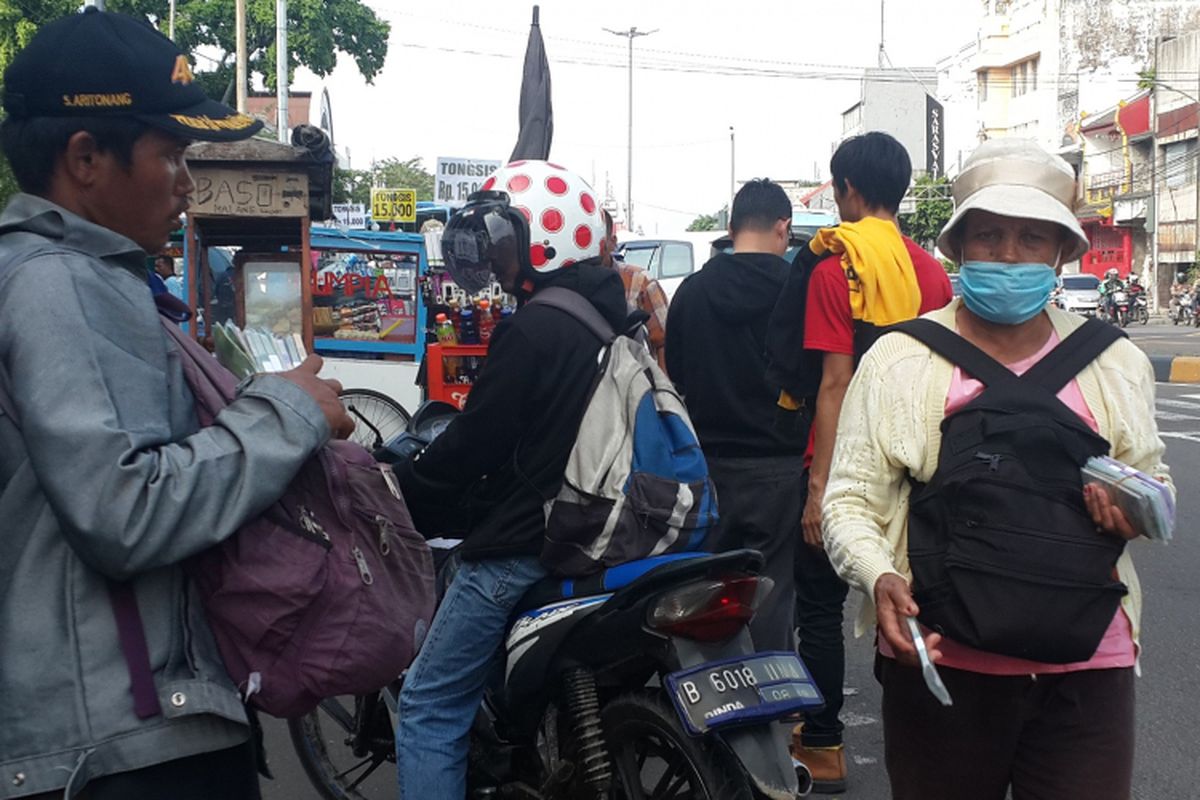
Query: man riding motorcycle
x,y
487,476
1110,286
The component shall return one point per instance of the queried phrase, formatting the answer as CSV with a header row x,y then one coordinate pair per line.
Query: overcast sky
x,y
779,71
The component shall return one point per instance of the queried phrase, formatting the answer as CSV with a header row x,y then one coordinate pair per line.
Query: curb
x,y
1176,369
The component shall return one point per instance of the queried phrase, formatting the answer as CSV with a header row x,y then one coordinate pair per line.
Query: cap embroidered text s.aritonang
x,y
99,63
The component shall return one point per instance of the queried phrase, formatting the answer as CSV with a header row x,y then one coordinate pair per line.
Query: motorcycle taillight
x,y
709,611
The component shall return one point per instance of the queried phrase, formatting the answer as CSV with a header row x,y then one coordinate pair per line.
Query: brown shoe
x,y
827,765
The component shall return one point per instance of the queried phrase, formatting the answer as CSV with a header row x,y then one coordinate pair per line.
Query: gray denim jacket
x,y
106,474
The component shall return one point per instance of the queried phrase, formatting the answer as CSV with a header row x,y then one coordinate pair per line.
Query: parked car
x,y
1079,294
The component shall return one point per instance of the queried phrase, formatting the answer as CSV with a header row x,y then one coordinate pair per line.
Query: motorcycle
x,y
1182,310
637,682
1118,308
1141,309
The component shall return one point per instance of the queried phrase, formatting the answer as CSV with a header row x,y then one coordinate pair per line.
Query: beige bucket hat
x,y
1016,178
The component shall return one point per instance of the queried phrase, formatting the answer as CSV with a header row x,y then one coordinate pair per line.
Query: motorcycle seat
x,y
554,589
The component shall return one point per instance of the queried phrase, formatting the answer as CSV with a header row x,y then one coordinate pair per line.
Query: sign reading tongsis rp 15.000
x,y
457,178
394,205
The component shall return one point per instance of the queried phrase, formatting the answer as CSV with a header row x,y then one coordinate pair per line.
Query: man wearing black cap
x,y
106,482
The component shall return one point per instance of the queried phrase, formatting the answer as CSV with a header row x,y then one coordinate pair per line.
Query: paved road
x,y
1165,339
1167,765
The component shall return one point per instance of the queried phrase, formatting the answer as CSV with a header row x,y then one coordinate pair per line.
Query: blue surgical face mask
x,y
1006,294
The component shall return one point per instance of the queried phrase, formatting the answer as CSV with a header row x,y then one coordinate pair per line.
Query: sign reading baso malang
x,y
222,192
457,178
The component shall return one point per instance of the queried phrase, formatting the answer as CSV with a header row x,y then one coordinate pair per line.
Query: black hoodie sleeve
x,y
481,439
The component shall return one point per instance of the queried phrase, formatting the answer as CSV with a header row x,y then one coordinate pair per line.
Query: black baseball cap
x,y
99,63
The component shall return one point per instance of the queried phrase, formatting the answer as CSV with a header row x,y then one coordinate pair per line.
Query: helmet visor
x,y
473,239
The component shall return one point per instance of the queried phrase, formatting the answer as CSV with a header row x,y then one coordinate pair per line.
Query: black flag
x,y
537,117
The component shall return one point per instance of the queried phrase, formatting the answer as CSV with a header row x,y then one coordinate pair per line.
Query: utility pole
x,y
630,34
732,181
882,55
281,68
1153,210
171,22
239,21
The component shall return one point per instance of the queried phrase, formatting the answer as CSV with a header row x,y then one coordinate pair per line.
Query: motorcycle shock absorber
x,y
594,767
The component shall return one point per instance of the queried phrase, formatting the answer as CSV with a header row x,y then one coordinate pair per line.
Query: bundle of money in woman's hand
x,y
1146,502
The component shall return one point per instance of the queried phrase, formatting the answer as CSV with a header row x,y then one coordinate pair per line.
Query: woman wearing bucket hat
x,y
955,498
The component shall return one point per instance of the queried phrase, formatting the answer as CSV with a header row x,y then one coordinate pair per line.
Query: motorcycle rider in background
x,y
1111,285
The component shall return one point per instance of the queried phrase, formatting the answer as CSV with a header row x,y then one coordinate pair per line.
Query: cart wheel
x,y
377,418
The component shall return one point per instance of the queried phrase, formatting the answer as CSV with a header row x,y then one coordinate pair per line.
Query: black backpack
x,y
1004,556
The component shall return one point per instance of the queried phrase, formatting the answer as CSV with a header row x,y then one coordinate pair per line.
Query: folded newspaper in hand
x,y
1146,502
245,352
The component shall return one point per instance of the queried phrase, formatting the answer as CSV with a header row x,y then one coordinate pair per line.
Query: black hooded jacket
x,y
716,336
490,472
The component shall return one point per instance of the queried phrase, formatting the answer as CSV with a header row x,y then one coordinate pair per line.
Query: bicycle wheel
x,y
377,418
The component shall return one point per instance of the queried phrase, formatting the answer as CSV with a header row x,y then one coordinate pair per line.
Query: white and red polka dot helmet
x,y
561,209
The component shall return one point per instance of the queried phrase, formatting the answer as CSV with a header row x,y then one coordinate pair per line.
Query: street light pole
x,y
732,180
630,34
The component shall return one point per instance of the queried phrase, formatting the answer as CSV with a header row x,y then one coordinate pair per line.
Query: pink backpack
x,y
328,592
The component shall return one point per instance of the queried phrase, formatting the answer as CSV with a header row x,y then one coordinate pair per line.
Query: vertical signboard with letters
x,y
457,178
935,157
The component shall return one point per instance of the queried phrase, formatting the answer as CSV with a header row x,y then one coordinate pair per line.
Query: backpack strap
x,y
1080,348
957,350
577,306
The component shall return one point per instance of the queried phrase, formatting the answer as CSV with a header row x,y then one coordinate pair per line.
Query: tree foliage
x,y
704,222
317,31
934,208
354,185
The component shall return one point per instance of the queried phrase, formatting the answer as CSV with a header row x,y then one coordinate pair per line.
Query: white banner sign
x,y
457,178
350,215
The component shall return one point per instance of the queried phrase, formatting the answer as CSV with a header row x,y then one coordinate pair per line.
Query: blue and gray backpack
x,y
636,483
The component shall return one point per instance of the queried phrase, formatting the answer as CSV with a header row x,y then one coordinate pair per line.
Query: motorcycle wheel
x,y
655,758
321,742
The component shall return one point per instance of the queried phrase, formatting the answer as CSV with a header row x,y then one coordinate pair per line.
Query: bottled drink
x,y
447,336
486,321
470,328
456,316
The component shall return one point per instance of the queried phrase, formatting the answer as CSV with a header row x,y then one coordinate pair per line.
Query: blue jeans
x,y
445,685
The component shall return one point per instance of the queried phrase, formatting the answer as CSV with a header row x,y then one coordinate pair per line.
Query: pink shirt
x,y
1116,649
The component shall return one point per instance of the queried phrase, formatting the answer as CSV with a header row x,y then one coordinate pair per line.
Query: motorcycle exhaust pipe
x,y
804,779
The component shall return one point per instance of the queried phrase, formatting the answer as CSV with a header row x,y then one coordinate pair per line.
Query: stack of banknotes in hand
x,y
1146,502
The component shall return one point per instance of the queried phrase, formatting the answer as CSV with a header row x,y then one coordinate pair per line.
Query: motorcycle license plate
x,y
751,688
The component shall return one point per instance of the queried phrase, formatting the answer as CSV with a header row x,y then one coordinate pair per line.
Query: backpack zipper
x,y
385,531
993,460
310,525
364,571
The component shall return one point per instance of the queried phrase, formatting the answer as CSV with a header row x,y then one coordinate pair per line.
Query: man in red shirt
x,y
871,174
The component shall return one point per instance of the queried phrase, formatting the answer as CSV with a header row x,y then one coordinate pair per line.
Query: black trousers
x,y
230,774
759,503
1050,737
820,598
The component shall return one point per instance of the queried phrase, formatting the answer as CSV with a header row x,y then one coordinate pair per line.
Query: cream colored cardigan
x,y
890,427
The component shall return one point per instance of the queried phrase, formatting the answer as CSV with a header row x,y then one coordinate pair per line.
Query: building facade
x,y
903,103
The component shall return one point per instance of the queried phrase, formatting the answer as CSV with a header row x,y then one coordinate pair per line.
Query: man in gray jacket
x,y
106,480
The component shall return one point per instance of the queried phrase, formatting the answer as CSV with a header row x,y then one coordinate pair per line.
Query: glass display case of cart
x,y
364,287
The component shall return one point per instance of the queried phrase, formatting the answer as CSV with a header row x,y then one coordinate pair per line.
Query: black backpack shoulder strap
x,y
956,349
577,306
1072,354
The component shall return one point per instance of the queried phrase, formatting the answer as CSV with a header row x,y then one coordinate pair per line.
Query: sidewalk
x,y
1176,369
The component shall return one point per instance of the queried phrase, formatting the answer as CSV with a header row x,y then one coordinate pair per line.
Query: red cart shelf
x,y
444,363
